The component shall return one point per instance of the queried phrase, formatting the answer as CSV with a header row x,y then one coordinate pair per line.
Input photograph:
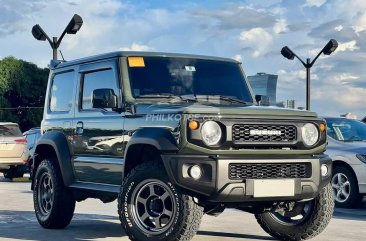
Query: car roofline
x,y
8,123
118,54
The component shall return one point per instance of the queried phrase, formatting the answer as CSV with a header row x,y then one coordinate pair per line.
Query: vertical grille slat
x,y
269,170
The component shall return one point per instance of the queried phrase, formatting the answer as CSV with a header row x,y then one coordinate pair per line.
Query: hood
x,y
358,147
224,110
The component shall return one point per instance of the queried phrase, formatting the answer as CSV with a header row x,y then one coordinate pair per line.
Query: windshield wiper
x,y
167,95
222,97
232,100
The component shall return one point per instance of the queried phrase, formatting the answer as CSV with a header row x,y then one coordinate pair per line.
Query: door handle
x,y
79,128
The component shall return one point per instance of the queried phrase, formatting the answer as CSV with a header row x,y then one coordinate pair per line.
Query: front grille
x,y
269,170
263,133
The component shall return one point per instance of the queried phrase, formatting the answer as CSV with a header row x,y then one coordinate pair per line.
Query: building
x,y
264,84
291,104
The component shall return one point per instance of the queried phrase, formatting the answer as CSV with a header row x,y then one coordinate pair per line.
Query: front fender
x,y
160,138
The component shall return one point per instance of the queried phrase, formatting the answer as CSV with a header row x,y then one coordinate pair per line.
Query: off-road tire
x,y
355,199
313,225
188,213
63,206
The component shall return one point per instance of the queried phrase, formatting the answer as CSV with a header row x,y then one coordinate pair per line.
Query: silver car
x,y
347,148
13,150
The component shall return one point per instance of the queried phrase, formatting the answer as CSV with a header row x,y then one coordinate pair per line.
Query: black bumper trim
x,y
215,185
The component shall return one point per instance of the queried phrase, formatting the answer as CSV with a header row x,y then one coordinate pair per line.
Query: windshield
x,y
346,129
10,130
163,76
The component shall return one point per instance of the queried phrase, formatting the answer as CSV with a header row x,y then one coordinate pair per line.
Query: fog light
x,y
324,169
195,172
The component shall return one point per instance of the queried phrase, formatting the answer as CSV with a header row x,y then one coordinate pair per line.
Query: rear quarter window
x,y
62,92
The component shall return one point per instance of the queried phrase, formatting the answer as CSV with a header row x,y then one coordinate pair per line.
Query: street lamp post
x,y
329,48
72,28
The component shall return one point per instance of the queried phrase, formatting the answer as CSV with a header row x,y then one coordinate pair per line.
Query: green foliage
x,y
22,84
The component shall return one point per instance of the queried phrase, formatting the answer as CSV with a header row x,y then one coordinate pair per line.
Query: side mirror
x,y
104,98
262,100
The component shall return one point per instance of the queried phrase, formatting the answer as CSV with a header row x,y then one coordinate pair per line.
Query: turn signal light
x,y
193,124
322,127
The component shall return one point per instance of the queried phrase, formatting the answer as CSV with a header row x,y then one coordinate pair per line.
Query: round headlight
x,y
310,134
211,133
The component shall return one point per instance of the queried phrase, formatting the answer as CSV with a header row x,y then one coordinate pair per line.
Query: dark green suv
x,y
173,137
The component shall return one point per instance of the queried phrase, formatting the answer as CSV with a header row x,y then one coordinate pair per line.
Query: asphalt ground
x,y
94,220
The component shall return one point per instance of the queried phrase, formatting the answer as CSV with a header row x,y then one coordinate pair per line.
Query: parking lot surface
x,y
97,221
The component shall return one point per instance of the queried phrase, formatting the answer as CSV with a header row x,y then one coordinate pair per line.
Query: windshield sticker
x,y
190,68
136,62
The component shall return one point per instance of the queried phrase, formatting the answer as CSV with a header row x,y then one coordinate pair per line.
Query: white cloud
x,y
314,3
238,57
256,38
347,46
280,26
345,76
338,28
137,47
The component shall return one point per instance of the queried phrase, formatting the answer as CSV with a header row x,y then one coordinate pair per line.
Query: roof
x,y
7,123
139,53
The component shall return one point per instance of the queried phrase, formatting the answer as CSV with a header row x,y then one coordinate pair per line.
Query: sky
x,y
250,31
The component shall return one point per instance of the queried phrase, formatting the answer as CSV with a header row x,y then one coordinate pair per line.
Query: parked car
x,y
347,148
32,137
13,150
173,137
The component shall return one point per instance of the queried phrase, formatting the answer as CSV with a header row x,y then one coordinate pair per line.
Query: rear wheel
x,y
54,204
299,220
151,208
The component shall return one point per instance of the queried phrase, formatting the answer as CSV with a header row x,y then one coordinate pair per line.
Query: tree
x,y
22,92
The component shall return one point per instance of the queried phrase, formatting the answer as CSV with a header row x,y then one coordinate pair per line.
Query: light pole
x,y
72,28
329,48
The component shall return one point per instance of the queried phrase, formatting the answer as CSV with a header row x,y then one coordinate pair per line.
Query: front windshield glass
x,y
346,129
165,76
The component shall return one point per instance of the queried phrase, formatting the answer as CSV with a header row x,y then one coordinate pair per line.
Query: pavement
x,y
94,220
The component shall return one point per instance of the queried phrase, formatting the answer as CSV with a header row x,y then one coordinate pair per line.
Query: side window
x,y
61,92
104,79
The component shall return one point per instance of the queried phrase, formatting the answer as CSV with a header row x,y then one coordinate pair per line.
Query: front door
x,y
98,133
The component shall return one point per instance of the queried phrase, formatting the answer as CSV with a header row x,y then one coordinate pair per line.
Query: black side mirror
x,y
104,98
262,100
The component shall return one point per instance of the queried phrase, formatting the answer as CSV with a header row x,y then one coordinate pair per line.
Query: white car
x,y
347,148
13,150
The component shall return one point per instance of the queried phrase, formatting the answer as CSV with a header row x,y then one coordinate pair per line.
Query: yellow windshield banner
x,y
136,62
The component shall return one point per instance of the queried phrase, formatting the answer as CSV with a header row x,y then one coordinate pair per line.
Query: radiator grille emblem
x,y
265,132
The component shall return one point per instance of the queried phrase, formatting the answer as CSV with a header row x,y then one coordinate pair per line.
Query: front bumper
x,y
216,186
